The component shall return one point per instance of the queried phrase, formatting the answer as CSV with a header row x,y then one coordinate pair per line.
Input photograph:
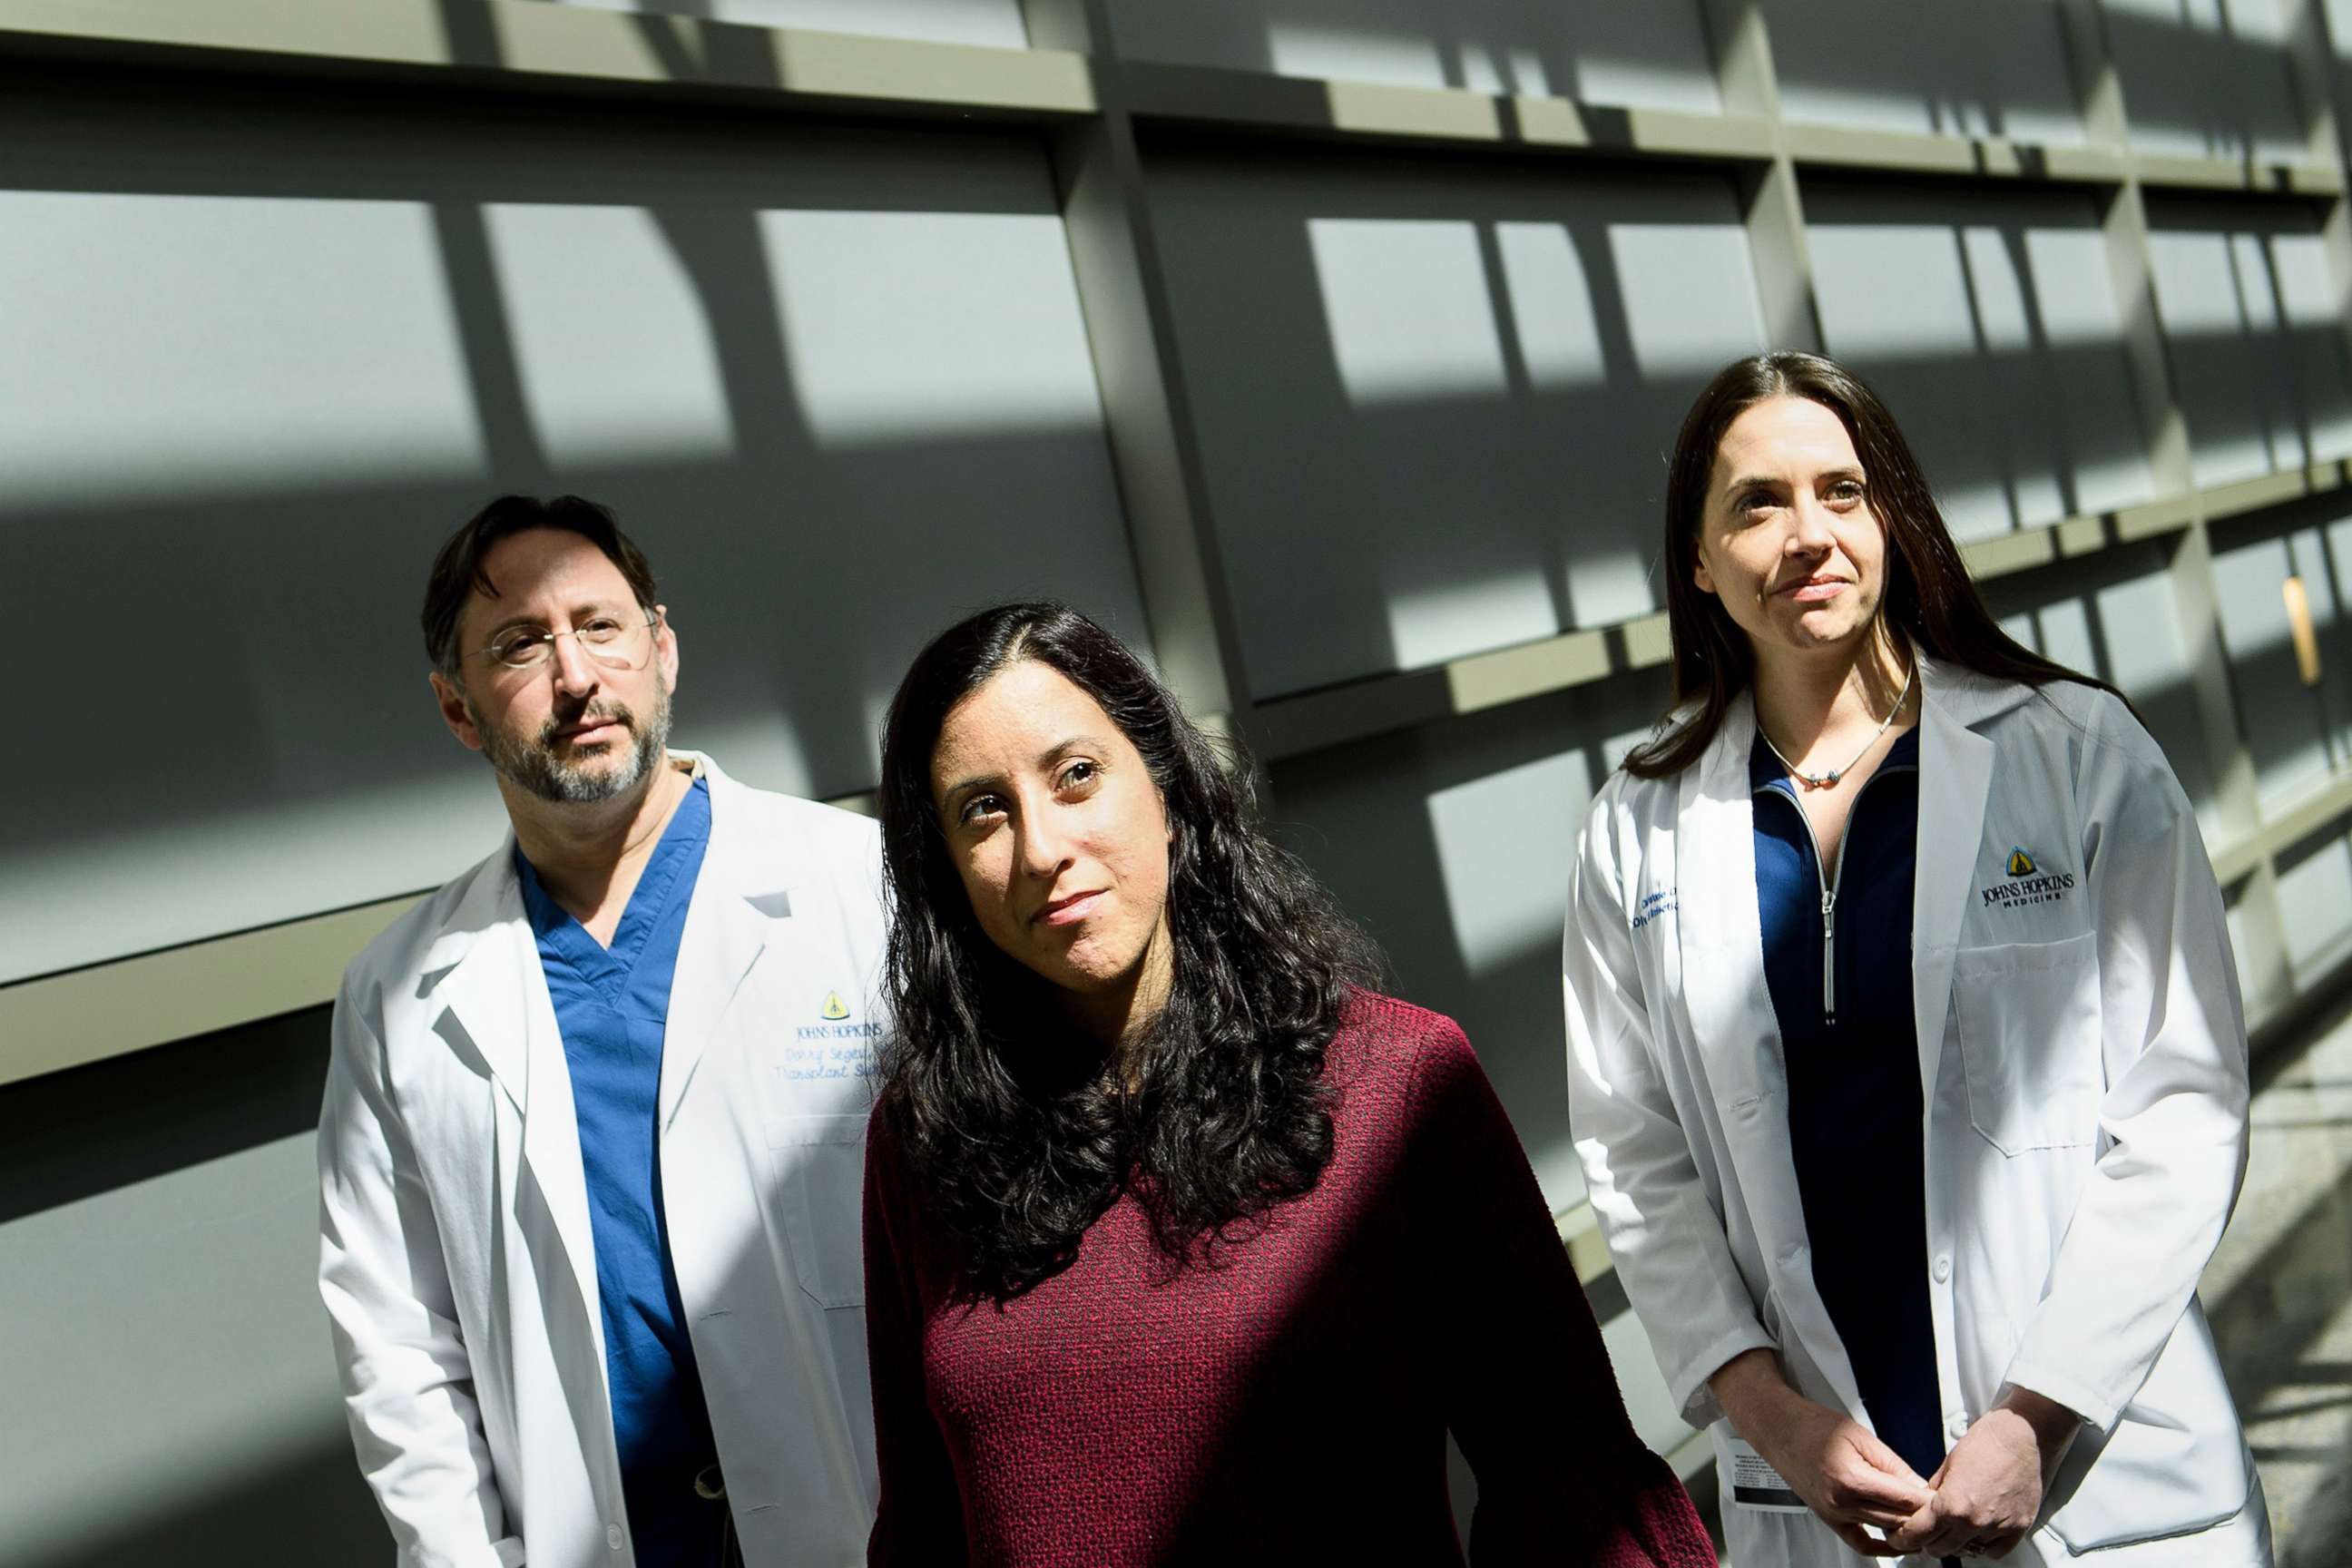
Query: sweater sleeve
x,y
919,1520
1524,1379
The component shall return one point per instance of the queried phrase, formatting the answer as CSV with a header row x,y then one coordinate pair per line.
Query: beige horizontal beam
x,y
1991,157
2324,807
84,1015
2312,180
2223,502
1258,100
52,1022
533,39
2236,860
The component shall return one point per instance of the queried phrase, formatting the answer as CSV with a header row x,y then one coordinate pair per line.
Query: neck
x,y
1117,1016
580,850
1804,699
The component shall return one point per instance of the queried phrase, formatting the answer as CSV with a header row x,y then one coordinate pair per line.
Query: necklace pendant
x,y
1828,781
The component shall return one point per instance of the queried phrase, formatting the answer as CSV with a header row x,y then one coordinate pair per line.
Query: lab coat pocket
x,y
821,1160
2028,1020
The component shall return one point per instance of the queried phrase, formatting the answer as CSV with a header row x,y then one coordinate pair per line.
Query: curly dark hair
x,y
1020,1131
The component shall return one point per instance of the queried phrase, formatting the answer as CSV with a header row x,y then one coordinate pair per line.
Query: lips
x,y
591,730
1068,911
1814,589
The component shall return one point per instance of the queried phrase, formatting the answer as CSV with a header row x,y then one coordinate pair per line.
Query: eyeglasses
x,y
612,643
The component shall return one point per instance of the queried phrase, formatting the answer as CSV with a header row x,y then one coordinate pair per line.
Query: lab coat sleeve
x,y
1664,1229
2173,1115
408,1390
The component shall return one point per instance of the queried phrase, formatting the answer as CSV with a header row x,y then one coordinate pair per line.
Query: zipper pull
x,y
1829,956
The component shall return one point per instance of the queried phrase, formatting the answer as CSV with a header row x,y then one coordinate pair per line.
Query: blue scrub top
x,y
611,1005
1855,1120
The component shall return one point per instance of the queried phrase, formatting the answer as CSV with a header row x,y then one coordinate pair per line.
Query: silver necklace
x,y
1823,781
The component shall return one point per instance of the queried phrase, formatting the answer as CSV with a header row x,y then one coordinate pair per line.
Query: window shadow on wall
x,y
2112,614
308,1506
2253,330
1439,397
2296,733
228,620
2218,89
1959,68
1991,329
1650,52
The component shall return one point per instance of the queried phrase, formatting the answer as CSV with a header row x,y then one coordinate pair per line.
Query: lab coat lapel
x,y
743,893
1729,1000
497,1000
1724,988
1954,782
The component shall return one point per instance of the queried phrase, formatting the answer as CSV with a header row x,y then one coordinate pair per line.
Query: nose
x,y
574,672
1810,532
1044,841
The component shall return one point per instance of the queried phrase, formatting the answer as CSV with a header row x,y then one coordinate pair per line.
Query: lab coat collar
x,y
1730,1005
1725,991
742,901
483,966
1955,783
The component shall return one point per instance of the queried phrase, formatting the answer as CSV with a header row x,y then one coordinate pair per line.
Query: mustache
x,y
602,712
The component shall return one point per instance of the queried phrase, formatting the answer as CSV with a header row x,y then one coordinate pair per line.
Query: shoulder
x,y
1385,1039
2098,726
400,947
839,845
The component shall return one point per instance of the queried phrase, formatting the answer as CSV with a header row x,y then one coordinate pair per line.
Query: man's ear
x,y
454,711
666,647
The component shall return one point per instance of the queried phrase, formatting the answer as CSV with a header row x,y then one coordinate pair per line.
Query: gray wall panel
x,y
1646,52
2207,77
1990,326
1438,399
1960,67
2253,319
266,351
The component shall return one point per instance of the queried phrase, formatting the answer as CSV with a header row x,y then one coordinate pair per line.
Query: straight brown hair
x,y
1928,596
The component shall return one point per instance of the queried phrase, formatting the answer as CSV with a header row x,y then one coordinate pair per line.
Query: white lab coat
x,y
2084,1055
456,1260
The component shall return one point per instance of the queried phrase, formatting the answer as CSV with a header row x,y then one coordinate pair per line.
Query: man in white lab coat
x,y
592,1146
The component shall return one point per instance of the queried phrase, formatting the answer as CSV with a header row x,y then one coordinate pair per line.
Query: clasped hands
x,y
1981,1502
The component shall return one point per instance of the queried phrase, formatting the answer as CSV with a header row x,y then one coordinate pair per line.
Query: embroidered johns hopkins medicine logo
x,y
2026,882
836,1045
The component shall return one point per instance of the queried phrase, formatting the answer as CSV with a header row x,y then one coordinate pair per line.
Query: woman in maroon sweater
x,y
1182,1243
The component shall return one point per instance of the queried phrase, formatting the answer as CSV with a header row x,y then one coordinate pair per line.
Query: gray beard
x,y
532,764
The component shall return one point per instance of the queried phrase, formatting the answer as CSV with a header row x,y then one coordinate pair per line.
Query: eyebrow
x,y
1046,759
593,607
1768,481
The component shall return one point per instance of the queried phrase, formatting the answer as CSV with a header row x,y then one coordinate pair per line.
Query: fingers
x,y
1876,1495
1863,1541
1933,1532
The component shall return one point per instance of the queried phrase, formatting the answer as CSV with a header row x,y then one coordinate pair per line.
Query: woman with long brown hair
x,y
1183,1244
1906,1061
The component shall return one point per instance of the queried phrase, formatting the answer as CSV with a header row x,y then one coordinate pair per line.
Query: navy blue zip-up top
x,y
1837,958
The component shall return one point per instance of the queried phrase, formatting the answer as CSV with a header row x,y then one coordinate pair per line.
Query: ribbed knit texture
x,y
1291,1403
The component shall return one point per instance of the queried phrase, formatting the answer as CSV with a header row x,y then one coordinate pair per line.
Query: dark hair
x,y
458,568
1020,1133
1928,592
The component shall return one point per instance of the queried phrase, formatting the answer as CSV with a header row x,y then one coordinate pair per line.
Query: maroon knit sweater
x,y
1290,1405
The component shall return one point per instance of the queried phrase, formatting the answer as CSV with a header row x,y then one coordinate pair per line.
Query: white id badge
x,y
1757,1484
